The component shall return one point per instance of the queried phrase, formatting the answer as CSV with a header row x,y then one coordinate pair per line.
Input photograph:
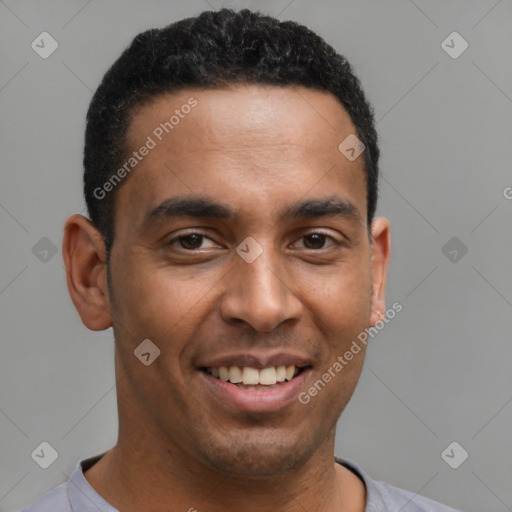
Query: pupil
x,y
318,241
318,237
196,241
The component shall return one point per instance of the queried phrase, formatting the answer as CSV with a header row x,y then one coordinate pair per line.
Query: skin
x,y
257,149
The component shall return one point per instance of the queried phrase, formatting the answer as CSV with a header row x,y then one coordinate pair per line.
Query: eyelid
x,y
183,234
300,235
303,234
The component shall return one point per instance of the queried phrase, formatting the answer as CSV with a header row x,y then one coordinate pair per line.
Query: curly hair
x,y
214,50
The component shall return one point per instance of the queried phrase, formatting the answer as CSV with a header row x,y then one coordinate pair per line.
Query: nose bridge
x,y
258,292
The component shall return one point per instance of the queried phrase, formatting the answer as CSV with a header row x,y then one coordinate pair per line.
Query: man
x,y
220,151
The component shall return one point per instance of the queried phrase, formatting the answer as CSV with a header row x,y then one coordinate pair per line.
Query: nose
x,y
260,294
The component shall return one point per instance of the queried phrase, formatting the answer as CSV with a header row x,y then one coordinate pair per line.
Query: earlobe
x,y
381,251
83,250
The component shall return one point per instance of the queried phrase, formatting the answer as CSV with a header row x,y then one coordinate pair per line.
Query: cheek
x,y
342,299
152,304
162,304
147,293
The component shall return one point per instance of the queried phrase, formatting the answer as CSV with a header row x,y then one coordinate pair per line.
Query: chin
x,y
262,455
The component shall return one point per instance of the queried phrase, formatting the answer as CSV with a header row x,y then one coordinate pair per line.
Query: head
x,y
240,233
213,51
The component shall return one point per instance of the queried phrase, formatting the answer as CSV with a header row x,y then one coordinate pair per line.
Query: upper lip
x,y
258,361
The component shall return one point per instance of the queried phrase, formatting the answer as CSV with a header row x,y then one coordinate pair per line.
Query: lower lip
x,y
259,400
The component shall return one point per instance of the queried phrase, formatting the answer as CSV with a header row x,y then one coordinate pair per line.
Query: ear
x,y
83,250
381,251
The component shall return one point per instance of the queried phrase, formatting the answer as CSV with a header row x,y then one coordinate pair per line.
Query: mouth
x,y
255,379
267,389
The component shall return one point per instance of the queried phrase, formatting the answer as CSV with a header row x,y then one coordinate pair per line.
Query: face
x,y
241,241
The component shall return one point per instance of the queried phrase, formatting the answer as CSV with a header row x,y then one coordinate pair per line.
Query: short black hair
x,y
213,50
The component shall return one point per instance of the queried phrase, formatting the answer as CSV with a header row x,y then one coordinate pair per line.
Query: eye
x,y
317,241
191,241
195,241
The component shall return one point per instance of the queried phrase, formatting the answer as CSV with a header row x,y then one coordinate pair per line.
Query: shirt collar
x,y
83,498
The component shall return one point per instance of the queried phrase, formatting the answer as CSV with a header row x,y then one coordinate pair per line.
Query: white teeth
x,y
235,375
250,375
268,376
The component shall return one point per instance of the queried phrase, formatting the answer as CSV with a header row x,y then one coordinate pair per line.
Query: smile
x,y
247,377
248,396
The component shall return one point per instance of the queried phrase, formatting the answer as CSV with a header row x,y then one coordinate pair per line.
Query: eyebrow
x,y
199,207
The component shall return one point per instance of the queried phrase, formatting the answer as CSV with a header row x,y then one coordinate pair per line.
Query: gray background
x,y
439,372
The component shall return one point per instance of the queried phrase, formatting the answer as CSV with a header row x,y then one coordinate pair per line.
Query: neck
x,y
136,475
149,470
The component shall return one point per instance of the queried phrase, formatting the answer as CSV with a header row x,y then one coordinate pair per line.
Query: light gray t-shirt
x,y
77,495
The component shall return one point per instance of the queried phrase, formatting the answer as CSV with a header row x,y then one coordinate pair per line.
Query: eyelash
x,y
203,236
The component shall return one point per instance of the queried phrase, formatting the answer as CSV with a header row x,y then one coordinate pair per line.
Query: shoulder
x,y
385,497
55,500
398,499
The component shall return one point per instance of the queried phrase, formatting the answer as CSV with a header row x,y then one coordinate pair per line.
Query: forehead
x,y
231,142
245,116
